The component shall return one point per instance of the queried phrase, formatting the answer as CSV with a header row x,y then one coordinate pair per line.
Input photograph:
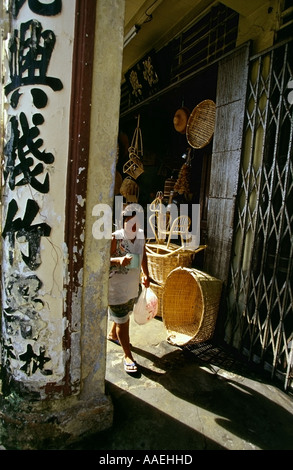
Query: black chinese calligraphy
x,y
21,316
38,7
40,98
9,351
33,361
30,56
23,231
23,146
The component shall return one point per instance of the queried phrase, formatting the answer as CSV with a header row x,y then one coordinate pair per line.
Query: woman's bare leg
x,y
113,333
122,331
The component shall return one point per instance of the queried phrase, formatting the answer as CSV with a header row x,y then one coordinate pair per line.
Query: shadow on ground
x,y
183,400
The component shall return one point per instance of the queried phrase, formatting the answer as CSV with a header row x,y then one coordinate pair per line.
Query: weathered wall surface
x,y
53,362
100,186
258,21
37,94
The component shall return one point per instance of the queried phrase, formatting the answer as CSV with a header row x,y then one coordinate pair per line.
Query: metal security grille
x,y
260,319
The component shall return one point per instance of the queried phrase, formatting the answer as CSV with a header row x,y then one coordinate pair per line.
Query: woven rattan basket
x,y
129,189
201,124
134,166
191,301
161,261
158,290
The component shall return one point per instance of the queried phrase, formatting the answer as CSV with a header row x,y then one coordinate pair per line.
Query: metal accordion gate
x,y
260,306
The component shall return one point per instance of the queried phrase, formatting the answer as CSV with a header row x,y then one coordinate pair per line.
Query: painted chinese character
x,y
44,9
133,78
34,362
149,73
30,57
26,233
24,147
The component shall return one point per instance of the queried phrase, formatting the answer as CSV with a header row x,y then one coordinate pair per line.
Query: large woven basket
x,y
161,261
201,124
191,301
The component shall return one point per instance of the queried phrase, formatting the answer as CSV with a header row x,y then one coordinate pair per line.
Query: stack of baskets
x,y
161,261
191,300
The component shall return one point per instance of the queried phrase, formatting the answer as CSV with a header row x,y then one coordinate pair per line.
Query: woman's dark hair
x,y
129,214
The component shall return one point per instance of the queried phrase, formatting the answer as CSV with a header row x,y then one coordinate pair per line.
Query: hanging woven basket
x,y
191,300
201,124
134,166
129,189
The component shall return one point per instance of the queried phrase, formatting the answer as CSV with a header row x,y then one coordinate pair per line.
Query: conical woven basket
x,y
191,300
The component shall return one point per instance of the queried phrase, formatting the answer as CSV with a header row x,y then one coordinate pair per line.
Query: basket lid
x,y
201,124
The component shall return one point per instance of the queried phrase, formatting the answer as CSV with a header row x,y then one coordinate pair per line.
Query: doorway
x,y
165,150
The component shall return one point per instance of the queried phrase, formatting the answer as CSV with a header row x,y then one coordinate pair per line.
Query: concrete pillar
x,y
62,92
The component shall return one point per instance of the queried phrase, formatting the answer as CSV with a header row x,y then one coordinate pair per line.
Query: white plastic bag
x,y
146,306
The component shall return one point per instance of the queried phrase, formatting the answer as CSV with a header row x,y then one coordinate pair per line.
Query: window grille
x,y
198,46
286,20
207,40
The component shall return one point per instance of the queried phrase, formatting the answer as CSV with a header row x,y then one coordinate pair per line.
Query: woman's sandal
x,y
130,367
116,341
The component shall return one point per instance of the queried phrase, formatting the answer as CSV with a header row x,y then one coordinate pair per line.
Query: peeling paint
x,y
80,201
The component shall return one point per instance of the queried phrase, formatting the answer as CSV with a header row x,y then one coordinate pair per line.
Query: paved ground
x,y
185,401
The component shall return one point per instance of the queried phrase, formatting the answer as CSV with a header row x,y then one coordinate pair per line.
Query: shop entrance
x,y
166,150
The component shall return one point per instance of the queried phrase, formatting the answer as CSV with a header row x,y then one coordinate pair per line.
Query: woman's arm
x,y
145,269
118,260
